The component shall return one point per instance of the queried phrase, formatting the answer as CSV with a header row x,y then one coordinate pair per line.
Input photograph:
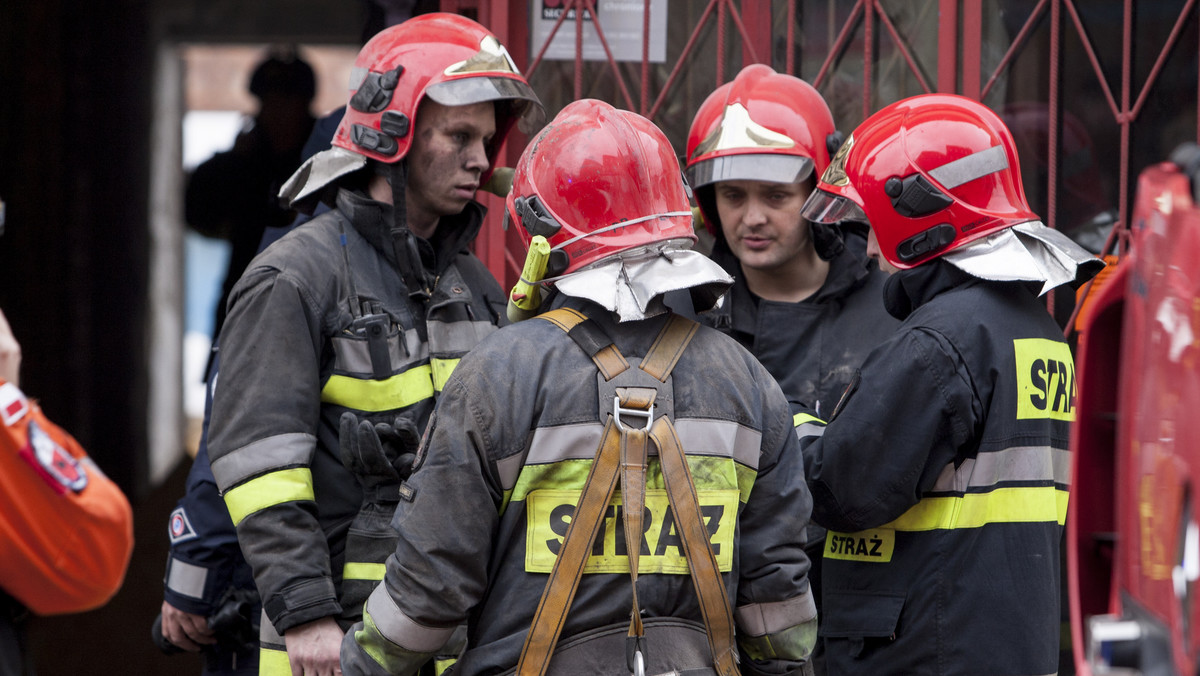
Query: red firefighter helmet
x,y
762,126
930,173
598,181
446,57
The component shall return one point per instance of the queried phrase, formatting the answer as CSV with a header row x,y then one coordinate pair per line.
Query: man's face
x,y
874,252
761,222
447,158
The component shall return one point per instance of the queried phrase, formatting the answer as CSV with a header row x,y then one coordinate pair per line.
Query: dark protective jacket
x,y
813,347
943,483
297,352
506,456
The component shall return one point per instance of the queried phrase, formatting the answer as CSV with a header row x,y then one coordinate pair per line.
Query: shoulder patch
x,y
13,405
180,528
57,466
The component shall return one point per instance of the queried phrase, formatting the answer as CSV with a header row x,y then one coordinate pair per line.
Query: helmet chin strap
x,y
404,243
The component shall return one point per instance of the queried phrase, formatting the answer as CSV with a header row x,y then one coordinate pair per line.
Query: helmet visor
x,y
826,207
774,168
527,108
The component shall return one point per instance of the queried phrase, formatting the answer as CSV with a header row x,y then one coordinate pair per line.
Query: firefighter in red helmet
x,y
342,334
806,300
514,496
943,479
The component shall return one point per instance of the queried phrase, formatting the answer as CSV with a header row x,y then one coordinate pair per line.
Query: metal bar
x,y
1126,120
900,45
756,15
578,89
972,46
720,64
843,39
1091,53
549,38
1162,57
645,89
608,53
747,41
790,52
687,48
1016,45
1052,156
947,75
868,55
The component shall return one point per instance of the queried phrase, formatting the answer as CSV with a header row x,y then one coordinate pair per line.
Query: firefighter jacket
x,y
812,348
320,324
943,483
500,473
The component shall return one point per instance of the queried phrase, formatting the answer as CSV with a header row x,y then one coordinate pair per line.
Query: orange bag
x,y
66,530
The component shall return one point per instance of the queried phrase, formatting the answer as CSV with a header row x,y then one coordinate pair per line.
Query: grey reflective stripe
x,y
258,457
723,438
399,628
186,578
720,438
1023,463
971,167
760,619
353,355
455,338
810,429
267,633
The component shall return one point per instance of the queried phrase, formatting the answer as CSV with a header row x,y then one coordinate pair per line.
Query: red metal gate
x,y
1093,91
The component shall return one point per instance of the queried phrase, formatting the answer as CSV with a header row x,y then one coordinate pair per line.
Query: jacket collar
x,y
373,220
907,290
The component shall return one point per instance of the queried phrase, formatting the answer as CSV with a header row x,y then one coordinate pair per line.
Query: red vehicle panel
x,y
1133,528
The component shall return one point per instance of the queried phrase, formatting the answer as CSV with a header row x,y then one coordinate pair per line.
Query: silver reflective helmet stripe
x,y
1022,463
282,450
186,578
973,166
760,619
399,628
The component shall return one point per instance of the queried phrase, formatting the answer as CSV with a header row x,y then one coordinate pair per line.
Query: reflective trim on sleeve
x,y
1032,504
273,663
441,370
186,578
264,455
268,490
758,619
357,570
456,337
353,355
399,391
399,628
808,426
1022,463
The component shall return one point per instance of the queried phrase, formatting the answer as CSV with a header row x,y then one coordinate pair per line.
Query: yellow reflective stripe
x,y
801,418
273,663
287,485
398,391
973,510
440,665
357,570
442,368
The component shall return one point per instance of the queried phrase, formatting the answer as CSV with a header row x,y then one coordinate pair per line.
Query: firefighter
x,y
943,479
341,335
512,497
806,300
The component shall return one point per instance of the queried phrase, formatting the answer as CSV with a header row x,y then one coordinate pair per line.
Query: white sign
x,y
621,21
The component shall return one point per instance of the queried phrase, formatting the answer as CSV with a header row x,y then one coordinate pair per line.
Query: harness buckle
x,y
619,410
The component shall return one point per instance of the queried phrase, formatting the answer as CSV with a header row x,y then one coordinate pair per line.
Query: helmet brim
x,y
773,168
826,207
464,91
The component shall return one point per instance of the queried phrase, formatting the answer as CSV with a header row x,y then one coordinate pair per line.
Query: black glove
x,y
380,455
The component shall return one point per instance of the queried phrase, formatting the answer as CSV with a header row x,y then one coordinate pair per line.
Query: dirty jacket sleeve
x,y
263,438
915,407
